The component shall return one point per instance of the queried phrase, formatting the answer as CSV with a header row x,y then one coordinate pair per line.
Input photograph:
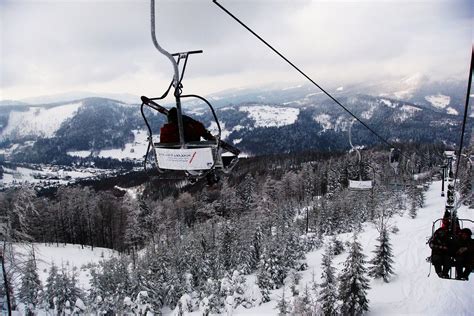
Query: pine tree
x,y
51,291
110,284
328,292
256,248
354,284
68,290
264,279
226,249
283,305
381,264
303,305
30,286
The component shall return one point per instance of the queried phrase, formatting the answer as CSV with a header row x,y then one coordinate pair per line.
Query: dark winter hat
x,y
466,231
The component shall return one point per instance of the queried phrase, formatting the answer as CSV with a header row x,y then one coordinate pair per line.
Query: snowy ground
x,y
67,256
133,151
411,291
45,174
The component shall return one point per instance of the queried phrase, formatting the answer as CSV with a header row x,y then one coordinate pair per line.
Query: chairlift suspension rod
x,y
465,115
176,74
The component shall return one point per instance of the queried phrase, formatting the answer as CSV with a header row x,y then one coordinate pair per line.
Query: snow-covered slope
x,y
439,101
411,291
67,256
38,121
269,116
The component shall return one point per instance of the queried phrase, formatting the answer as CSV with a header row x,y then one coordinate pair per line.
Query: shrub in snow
x,y
204,307
336,245
79,307
311,241
305,304
292,280
143,304
184,306
229,305
212,294
283,305
253,297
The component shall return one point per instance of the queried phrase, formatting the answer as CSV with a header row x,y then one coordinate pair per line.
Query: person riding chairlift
x,y
440,245
193,131
464,255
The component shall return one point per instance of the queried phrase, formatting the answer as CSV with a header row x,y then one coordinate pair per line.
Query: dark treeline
x,y
183,239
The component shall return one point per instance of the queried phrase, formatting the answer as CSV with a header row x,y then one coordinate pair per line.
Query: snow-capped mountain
x,y
31,121
290,119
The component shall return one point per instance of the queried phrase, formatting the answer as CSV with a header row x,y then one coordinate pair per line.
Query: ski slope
x,y
411,291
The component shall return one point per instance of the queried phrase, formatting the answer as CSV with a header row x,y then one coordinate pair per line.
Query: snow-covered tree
x,y
303,304
327,297
283,305
353,283
336,245
110,284
51,288
68,290
381,264
273,266
30,286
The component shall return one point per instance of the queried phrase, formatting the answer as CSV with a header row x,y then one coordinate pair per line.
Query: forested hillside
x,y
191,245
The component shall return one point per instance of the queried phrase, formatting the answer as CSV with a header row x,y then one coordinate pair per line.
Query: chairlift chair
x,y
196,159
462,221
358,184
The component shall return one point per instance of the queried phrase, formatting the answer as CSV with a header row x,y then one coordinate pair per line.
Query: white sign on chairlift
x,y
185,158
360,185
449,153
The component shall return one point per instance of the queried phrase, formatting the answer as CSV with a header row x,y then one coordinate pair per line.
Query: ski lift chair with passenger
x,y
195,157
448,263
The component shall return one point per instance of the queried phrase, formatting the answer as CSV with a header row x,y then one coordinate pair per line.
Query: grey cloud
x,y
80,42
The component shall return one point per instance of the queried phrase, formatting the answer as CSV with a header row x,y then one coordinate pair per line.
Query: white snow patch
x,y
48,174
342,124
324,120
270,116
388,103
38,121
134,150
214,130
67,256
312,94
238,128
439,101
290,88
407,111
369,113
237,141
452,111
79,153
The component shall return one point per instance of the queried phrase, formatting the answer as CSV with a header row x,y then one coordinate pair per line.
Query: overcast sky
x,y
58,46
